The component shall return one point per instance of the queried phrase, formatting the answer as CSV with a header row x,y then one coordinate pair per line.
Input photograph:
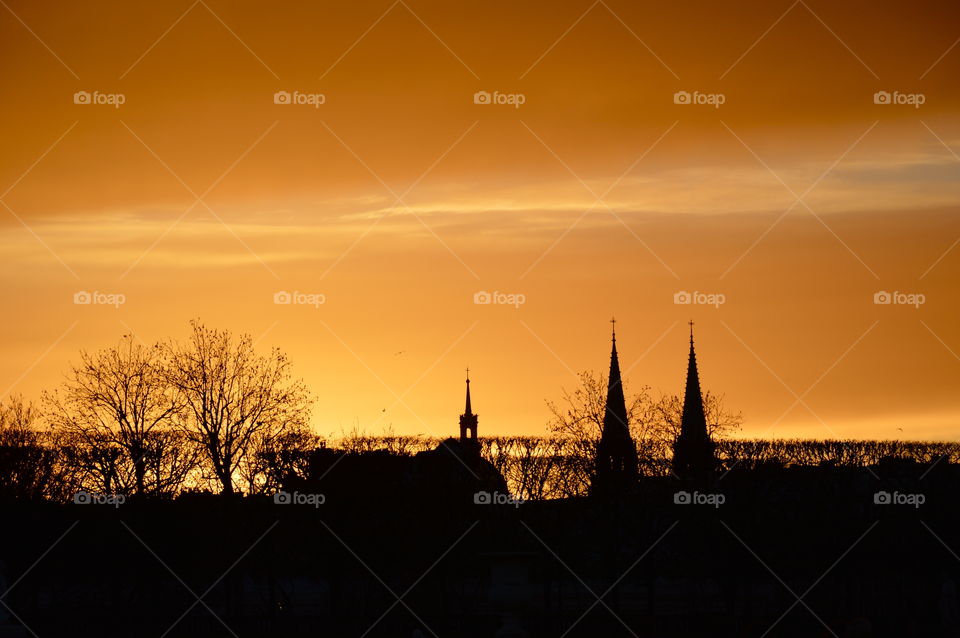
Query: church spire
x,y
694,421
468,410
693,450
615,414
616,462
468,420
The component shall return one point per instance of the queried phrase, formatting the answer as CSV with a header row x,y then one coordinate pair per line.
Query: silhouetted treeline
x,y
546,467
751,453
45,464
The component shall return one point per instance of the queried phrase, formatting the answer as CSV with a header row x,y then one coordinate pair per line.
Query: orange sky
x,y
399,198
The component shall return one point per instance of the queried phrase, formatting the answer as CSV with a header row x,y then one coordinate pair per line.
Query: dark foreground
x,y
804,552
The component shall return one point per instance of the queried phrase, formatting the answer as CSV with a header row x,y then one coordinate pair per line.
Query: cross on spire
x,y
613,327
691,331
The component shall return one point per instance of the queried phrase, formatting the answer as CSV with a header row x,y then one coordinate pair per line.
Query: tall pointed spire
x,y
693,450
693,421
615,414
468,420
616,462
468,410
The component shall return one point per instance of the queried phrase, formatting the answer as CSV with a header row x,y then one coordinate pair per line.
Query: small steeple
x,y
468,420
468,410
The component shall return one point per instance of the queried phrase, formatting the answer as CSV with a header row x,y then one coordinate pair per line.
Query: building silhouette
x,y
616,461
693,451
456,466
451,473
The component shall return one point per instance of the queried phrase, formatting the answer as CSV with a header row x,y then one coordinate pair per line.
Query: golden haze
x,y
693,198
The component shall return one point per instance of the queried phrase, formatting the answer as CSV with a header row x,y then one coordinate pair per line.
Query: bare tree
x,y
28,467
532,465
172,460
579,418
113,412
235,399
668,411
274,457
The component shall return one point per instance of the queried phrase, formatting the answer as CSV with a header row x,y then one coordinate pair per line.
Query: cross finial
x,y
613,327
691,331
468,374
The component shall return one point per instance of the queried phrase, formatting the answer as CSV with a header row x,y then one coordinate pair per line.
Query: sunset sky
x,y
397,199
